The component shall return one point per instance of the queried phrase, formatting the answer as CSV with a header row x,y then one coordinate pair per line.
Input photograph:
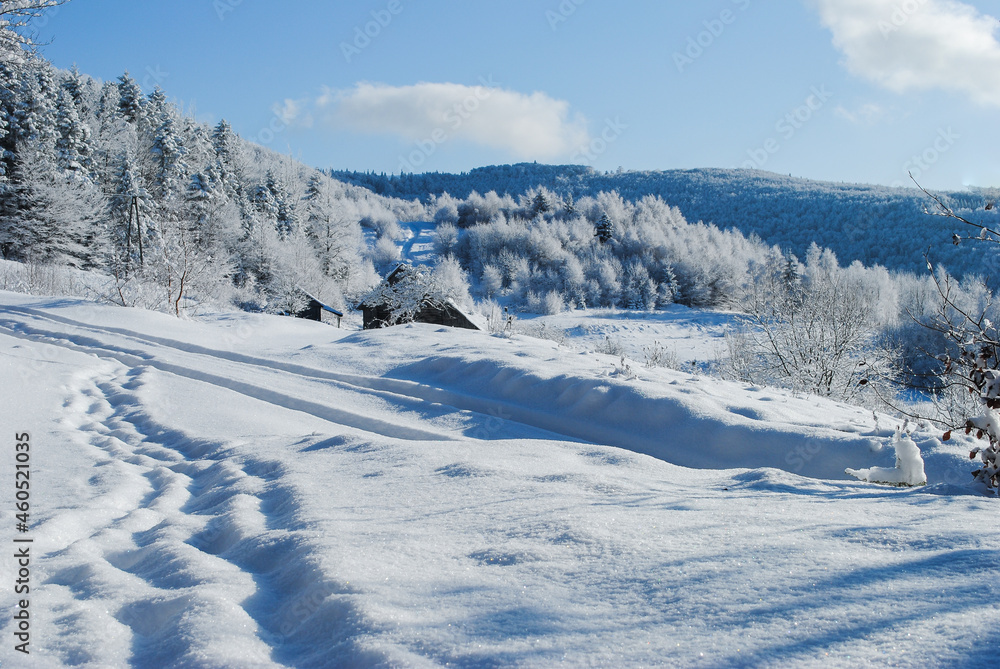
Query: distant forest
x,y
872,224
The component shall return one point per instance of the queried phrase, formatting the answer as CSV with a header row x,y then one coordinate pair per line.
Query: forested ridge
x,y
874,224
100,176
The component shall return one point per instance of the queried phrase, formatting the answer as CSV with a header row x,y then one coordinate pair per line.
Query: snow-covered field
x,y
244,491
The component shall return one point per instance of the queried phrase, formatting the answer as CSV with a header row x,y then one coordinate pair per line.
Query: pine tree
x,y
335,237
670,288
109,104
605,229
34,112
57,219
792,272
74,84
262,199
540,204
569,210
73,151
130,99
224,144
211,214
157,108
4,132
168,151
285,218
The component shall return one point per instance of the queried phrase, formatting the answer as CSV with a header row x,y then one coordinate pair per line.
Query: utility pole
x,y
134,211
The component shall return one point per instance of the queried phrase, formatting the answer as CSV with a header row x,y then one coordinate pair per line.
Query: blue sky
x,y
841,90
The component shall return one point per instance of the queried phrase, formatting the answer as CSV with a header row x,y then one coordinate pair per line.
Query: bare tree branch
x,y
16,39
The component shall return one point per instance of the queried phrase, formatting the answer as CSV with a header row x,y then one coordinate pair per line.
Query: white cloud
x,y
293,112
528,126
906,45
867,114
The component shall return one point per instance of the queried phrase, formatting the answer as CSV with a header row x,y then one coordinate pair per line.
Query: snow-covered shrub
x,y
542,330
451,283
658,355
499,320
445,209
611,346
491,282
815,328
384,255
35,278
445,239
966,317
553,303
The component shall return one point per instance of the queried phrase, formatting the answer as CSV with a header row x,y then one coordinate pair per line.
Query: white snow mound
x,y
909,469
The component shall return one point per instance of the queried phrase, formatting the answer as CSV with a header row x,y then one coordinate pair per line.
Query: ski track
x,y
199,543
408,395
392,391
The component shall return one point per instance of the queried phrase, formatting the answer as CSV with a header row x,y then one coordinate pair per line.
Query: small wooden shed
x,y
314,310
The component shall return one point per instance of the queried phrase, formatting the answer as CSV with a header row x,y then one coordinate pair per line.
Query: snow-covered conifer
x,y
130,99
540,204
168,151
73,150
605,229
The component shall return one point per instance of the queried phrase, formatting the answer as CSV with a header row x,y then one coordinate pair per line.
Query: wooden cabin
x,y
315,310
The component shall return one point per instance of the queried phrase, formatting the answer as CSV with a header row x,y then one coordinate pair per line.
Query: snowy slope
x,y
254,491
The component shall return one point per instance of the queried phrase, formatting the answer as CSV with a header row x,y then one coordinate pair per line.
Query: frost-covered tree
x,y
285,216
227,159
452,282
821,337
569,208
605,229
972,361
73,148
130,99
16,39
57,218
34,112
335,236
540,204
75,84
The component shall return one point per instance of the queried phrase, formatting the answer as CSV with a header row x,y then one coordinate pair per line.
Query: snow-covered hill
x,y
246,490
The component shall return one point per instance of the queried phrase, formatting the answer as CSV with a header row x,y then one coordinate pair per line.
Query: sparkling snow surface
x,y
250,491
